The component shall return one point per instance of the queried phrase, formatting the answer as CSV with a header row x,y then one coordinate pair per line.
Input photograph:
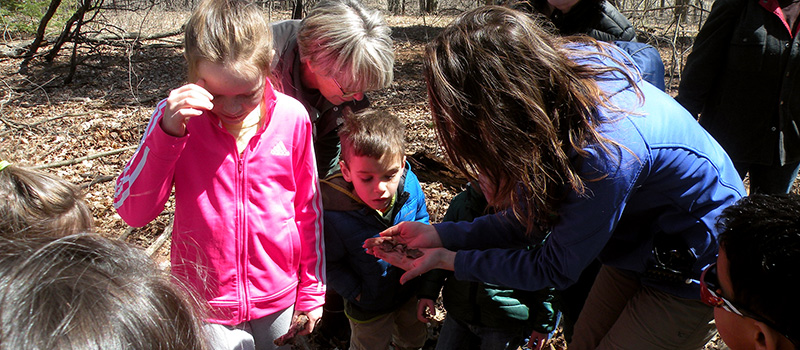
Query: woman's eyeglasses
x,y
345,94
709,285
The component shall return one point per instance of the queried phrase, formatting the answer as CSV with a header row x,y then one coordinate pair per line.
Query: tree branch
x,y
80,159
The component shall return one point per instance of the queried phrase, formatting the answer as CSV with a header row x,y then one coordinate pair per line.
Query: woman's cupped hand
x,y
411,246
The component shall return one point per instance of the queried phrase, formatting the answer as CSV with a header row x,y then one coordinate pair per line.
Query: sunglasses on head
x,y
709,285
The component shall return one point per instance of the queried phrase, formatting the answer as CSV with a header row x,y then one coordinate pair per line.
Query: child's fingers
x,y
192,94
198,102
422,309
186,113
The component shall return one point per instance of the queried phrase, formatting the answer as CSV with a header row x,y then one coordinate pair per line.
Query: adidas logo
x,y
280,150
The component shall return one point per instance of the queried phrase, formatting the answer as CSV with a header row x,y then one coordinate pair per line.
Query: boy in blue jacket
x,y
375,190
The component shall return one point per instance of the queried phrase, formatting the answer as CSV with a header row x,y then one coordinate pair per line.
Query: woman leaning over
x,y
604,166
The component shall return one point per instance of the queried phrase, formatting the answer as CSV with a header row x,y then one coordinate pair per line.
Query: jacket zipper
x,y
243,239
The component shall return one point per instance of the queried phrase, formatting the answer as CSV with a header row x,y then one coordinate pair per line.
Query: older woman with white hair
x,y
328,61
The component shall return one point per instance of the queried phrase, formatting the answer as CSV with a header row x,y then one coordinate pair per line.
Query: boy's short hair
x,y
371,133
233,33
34,203
760,235
87,292
345,39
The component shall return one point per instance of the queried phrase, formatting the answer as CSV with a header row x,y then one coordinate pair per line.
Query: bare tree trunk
x,y
681,9
429,6
298,10
51,10
393,6
73,61
67,31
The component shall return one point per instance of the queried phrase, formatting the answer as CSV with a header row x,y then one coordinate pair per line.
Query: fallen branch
x,y
97,180
133,36
165,235
81,159
126,233
16,125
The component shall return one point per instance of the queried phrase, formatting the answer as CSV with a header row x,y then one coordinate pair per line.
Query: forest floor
x,y
86,130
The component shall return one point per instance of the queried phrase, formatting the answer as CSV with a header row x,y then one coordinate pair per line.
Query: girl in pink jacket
x,y
247,230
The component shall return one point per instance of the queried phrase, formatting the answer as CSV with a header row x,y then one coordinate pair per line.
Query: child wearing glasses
x,y
375,190
247,231
753,285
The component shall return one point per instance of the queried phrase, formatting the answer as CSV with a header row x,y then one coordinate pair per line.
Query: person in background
x,y
375,189
33,203
603,165
328,61
247,231
752,284
598,19
87,292
741,81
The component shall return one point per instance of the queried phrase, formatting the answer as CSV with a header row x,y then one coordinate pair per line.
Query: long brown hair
x,y
508,102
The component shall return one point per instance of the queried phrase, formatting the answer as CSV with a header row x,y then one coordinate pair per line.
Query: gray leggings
x,y
257,334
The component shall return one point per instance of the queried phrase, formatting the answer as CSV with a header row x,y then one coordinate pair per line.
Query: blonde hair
x,y
34,203
344,38
233,33
371,133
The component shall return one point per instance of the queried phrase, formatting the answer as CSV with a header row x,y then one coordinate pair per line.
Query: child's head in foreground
x,y
87,292
228,49
34,203
757,276
373,155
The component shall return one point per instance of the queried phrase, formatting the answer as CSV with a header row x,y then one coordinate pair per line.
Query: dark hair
x,y
508,101
34,203
371,133
760,235
87,292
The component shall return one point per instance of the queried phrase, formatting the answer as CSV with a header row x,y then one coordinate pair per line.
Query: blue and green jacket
x,y
348,222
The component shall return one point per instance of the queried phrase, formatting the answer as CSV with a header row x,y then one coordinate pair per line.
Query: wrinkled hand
x,y
425,310
432,258
187,101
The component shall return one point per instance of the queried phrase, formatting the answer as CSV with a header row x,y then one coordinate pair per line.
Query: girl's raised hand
x,y
183,103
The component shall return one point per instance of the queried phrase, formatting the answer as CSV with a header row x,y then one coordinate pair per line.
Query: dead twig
x,y
163,237
126,233
81,159
97,180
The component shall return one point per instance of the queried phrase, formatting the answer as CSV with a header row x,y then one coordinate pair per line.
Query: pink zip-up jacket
x,y
247,234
